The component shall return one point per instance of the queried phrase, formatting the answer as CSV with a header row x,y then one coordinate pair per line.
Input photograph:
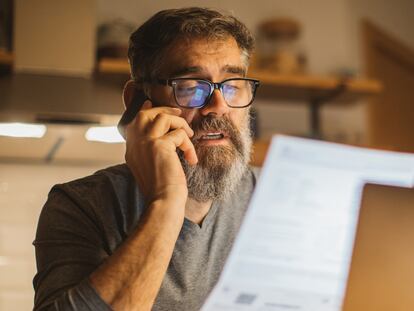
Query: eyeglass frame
x,y
213,86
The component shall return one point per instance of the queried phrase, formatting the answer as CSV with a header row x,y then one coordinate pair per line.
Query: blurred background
x,y
340,71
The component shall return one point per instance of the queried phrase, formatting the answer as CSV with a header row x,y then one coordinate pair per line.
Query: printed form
x,y
294,247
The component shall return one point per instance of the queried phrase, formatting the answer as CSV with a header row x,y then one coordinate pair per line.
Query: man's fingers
x,y
163,123
181,140
147,114
151,111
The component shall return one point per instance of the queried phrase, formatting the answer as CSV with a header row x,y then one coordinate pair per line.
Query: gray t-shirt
x,y
84,221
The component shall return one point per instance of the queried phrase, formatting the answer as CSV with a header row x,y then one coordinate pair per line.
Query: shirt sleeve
x,y
69,247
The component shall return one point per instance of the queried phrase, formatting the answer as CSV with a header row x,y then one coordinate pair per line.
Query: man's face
x,y
206,59
222,161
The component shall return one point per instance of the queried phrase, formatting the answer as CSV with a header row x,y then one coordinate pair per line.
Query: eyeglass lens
x,y
194,93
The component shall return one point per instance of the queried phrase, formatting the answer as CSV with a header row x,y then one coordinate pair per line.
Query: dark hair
x,y
148,43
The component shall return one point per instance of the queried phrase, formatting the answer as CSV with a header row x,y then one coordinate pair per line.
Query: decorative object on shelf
x,y
113,38
278,46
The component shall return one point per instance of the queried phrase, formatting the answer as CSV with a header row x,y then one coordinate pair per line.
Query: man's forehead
x,y
195,56
176,71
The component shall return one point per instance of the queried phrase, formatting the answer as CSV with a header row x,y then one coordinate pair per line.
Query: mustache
x,y
215,124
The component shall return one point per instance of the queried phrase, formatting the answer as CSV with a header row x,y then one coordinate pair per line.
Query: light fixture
x,y
104,134
4,261
22,130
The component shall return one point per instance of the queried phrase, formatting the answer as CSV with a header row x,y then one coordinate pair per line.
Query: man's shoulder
x,y
99,209
117,177
106,186
109,198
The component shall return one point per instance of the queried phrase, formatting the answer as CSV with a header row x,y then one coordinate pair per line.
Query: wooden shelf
x,y
297,87
6,58
310,87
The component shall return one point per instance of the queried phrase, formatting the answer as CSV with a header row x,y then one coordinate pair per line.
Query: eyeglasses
x,y
196,93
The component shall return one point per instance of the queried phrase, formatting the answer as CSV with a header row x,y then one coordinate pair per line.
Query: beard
x,y
220,168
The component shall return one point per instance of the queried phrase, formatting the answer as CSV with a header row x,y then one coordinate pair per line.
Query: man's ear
x,y
129,92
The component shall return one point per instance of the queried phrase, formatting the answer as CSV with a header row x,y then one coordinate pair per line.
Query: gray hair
x,y
148,43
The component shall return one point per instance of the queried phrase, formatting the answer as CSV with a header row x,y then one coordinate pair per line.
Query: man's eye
x,y
232,87
186,90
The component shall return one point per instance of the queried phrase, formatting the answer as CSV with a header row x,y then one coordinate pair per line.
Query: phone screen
x,y
131,111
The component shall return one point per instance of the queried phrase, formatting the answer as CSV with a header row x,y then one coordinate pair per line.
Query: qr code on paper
x,y
245,299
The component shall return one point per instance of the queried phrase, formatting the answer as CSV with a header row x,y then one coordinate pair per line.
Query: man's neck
x,y
196,211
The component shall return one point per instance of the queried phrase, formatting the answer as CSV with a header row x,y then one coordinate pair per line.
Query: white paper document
x,y
294,247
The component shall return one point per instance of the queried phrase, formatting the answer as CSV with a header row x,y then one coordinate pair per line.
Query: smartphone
x,y
131,111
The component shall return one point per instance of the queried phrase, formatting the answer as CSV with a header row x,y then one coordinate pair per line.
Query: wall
x,y
395,17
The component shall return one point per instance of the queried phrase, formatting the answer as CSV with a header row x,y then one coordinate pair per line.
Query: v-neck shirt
x,y
84,221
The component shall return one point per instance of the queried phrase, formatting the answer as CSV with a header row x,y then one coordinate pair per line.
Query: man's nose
x,y
217,105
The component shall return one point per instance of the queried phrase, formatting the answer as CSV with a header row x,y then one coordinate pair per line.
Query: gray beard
x,y
220,168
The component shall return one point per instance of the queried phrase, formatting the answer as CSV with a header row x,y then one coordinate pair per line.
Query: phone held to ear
x,y
131,111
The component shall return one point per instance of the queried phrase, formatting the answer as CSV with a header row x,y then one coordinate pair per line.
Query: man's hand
x,y
131,277
151,153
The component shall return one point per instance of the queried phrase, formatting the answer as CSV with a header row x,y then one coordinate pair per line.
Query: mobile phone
x,y
131,111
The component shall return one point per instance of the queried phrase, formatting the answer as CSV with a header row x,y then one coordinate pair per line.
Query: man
x,y
155,233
